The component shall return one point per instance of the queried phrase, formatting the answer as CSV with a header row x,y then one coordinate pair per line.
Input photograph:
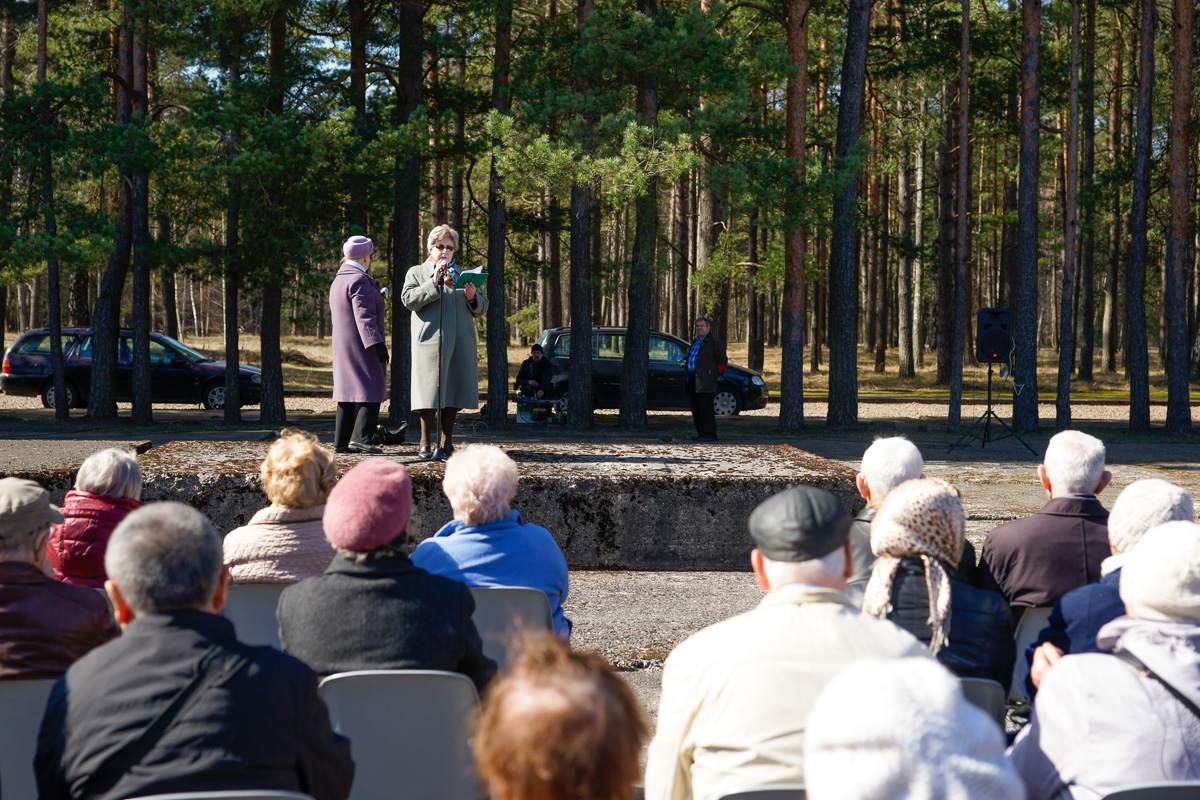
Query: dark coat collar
x,y
350,269
391,565
210,626
1075,507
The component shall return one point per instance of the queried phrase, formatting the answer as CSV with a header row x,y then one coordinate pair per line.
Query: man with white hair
x,y
177,704
735,695
1103,722
44,625
1036,560
1079,615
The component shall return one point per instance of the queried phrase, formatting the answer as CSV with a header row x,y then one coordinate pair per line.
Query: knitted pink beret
x,y
369,507
357,247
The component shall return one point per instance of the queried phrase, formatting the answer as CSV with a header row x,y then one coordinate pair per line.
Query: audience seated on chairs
x,y
1079,615
885,730
736,694
285,542
1035,561
44,625
488,543
373,608
177,703
886,464
559,725
1104,721
108,486
918,537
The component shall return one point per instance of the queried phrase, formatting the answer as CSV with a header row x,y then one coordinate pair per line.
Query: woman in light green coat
x,y
457,307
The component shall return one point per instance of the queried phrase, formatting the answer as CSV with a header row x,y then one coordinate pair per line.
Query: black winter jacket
x,y
980,629
265,728
384,613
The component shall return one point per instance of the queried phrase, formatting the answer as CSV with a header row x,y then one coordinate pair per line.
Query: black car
x,y
178,374
739,389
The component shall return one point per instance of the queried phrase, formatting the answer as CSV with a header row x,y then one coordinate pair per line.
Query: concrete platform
x,y
619,506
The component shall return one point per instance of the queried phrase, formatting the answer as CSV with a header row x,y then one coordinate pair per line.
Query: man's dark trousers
x,y
363,416
704,414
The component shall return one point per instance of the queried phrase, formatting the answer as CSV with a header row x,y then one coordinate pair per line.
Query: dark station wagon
x,y
178,374
739,388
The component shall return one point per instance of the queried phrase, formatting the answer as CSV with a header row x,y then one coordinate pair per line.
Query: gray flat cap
x,y
799,524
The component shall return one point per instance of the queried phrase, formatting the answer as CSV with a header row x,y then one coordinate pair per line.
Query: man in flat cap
x,y
44,625
735,696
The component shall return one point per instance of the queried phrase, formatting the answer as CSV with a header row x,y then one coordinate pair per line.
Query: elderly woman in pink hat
x,y
360,356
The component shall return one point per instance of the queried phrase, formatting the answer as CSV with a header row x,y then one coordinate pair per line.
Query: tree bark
x,y
945,272
1087,265
580,391
142,412
57,365
272,408
882,289
636,363
754,333
233,259
360,20
918,309
1066,346
795,247
1179,415
904,288
843,350
963,227
497,325
1025,400
1135,275
1108,333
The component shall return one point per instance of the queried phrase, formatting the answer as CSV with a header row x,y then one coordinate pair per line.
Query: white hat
x,y
1161,576
1142,505
901,728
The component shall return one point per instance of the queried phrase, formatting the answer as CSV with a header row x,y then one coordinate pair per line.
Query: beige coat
x,y
460,354
735,696
278,545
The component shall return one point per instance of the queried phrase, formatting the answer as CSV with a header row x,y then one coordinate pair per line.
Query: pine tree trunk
x,y
963,226
1108,332
497,325
57,365
142,412
945,276
1179,415
1066,347
272,408
1025,402
1135,276
918,309
1087,266
791,401
904,289
882,291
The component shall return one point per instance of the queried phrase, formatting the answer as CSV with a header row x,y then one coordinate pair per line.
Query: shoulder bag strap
x,y
217,666
1135,662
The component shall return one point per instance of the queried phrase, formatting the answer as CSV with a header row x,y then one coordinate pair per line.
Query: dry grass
x,y
307,366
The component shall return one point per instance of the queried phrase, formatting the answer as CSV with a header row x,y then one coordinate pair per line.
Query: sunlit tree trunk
x,y
497,325
1025,401
1135,275
1179,415
1066,347
962,229
791,402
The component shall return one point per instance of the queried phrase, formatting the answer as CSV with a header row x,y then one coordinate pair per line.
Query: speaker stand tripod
x,y
986,418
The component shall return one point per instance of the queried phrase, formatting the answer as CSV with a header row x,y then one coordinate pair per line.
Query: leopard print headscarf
x,y
919,518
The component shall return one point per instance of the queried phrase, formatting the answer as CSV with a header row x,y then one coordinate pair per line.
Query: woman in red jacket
x,y
108,486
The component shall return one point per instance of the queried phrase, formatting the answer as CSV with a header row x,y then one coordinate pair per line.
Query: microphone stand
x,y
438,453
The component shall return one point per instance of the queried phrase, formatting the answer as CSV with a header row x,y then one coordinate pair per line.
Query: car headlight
x,y
256,378
758,381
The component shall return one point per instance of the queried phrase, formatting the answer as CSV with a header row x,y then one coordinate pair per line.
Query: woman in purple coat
x,y
359,353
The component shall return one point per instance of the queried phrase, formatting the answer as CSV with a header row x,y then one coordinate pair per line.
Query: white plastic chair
x,y
22,705
1031,624
1170,790
503,613
250,795
779,791
985,694
251,609
408,732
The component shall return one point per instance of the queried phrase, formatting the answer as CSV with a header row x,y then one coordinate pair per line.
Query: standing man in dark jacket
x,y
705,362
373,609
177,704
1035,561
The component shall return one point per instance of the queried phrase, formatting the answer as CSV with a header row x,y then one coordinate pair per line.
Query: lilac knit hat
x,y
357,247
369,507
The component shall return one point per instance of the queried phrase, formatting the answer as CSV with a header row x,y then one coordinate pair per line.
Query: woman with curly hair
x,y
285,542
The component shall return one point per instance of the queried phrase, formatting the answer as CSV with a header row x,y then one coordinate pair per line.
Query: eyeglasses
x,y
449,247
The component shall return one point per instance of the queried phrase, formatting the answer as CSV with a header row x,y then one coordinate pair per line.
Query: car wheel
x,y
48,395
726,403
213,396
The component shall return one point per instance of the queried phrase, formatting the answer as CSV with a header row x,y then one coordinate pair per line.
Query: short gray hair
x,y
439,233
1074,462
1141,506
889,462
480,483
165,556
112,473
826,570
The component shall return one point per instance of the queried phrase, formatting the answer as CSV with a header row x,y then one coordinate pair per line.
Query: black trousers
x,y
704,415
364,417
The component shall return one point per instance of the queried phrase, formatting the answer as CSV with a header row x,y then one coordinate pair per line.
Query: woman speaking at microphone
x,y
443,326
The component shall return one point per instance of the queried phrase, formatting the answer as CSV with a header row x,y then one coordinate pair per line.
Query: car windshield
x,y
185,351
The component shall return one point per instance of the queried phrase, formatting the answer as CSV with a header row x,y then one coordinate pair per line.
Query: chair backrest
x,y
22,704
1182,790
1031,624
779,791
985,694
235,795
251,609
408,732
503,612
